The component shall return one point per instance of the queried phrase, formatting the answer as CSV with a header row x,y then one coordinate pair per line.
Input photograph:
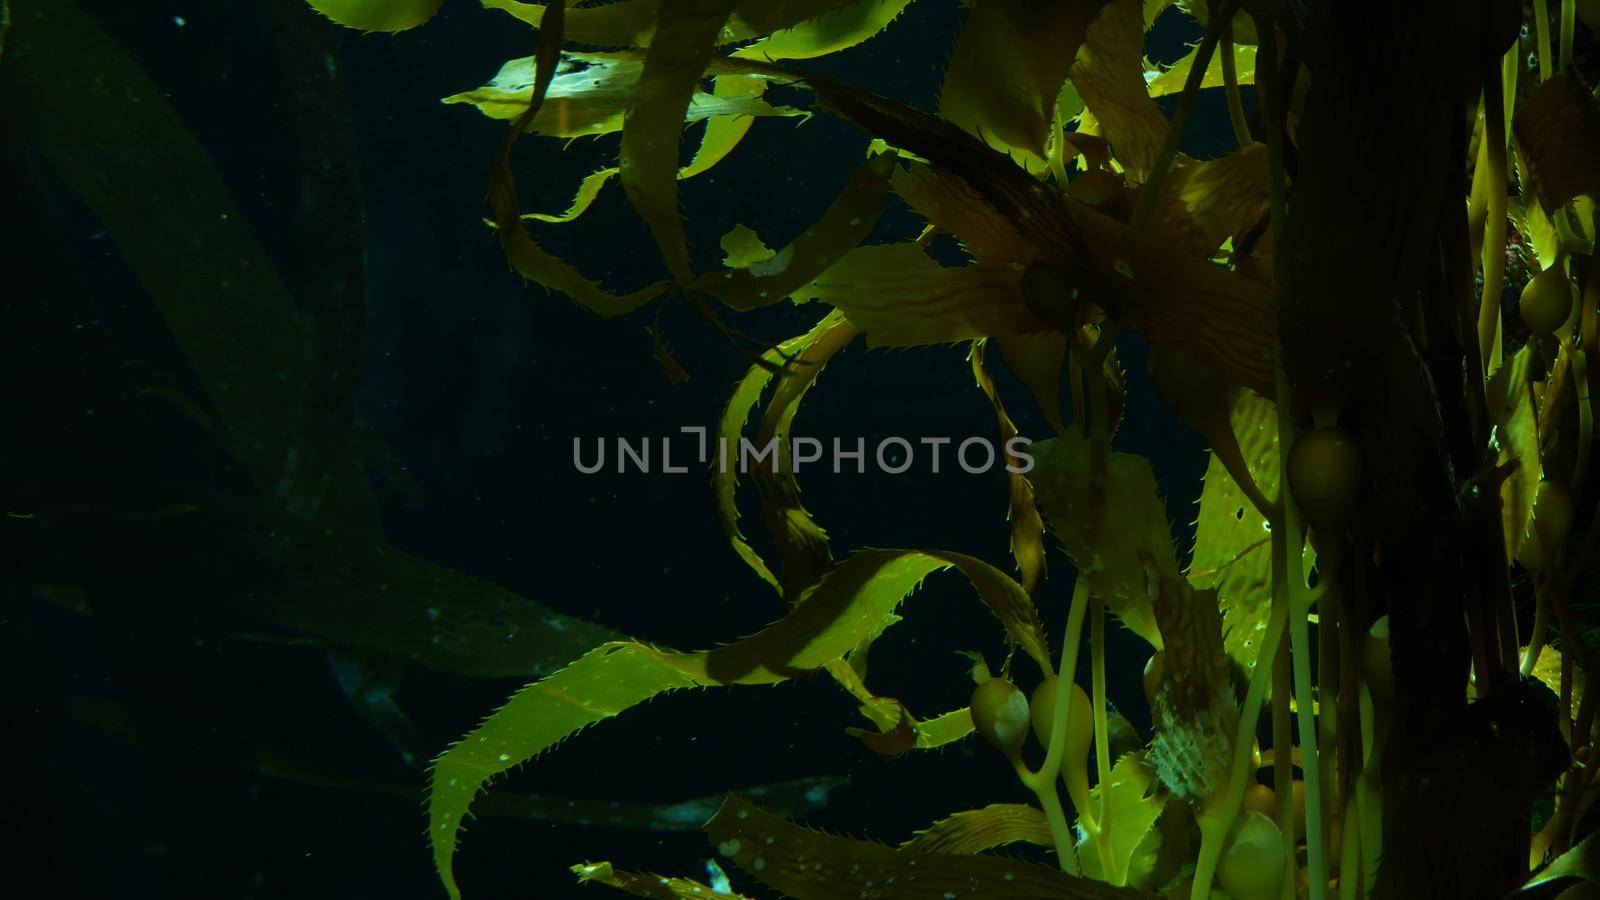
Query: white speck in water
x,y
179,21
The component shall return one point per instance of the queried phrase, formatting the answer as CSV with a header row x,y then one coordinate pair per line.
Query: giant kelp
x,y
1059,174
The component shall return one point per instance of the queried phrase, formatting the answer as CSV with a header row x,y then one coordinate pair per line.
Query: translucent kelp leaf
x,y
626,23
1170,81
811,865
1135,803
1581,863
1232,545
590,93
954,207
854,603
1027,529
1110,544
1109,75
1513,412
378,15
1007,68
755,18
742,248
1038,361
1193,710
898,730
656,887
901,297
802,543
1201,204
837,30
1557,129
977,830
846,223
1548,670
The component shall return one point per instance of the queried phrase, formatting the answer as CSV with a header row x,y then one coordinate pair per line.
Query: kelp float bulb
x,y
1254,864
1080,717
1000,713
1547,300
1325,478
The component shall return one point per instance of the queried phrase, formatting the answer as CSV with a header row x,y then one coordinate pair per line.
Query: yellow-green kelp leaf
x,y
656,887
1557,130
800,862
845,224
742,248
1109,544
1136,801
852,604
1007,68
1232,545
1170,81
1548,670
829,33
898,730
1580,864
901,297
378,15
1027,529
1513,412
802,543
1109,75
977,830
1038,361
626,23
1201,204
955,207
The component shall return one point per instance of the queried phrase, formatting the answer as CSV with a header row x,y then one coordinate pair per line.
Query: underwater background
x,y
188,746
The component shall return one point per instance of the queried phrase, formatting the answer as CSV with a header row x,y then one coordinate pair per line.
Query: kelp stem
x,y
1043,782
1494,233
1541,30
1102,739
1569,23
1230,89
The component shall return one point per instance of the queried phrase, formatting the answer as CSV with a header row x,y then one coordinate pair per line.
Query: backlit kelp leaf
x,y
954,207
845,224
1513,412
1201,204
1038,361
1581,863
901,297
378,15
834,31
1548,670
802,543
1108,545
625,23
1136,802
725,467
898,730
742,248
1109,75
852,604
1557,129
656,887
1232,546
1007,68
1170,81
811,865
977,830
1027,529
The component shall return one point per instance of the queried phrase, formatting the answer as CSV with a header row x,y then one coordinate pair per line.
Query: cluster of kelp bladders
x,y
1054,167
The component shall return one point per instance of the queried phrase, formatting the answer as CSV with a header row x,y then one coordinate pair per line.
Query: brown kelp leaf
x,y
1008,66
1109,75
802,543
901,297
1513,413
977,830
1027,529
1038,361
1557,131
844,27
626,23
385,15
1111,545
639,884
685,40
1201,204
846,223
853,604
675,372
812,865
954,207
1232,545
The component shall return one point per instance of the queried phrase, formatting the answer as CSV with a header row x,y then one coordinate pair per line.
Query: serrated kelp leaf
x,y
802,543
1513,412
1109,75
1548,670
378,15
852,604
845,224
656,887
1108,545
1027,529
1232,547
901,297
754,18
811,865
626,23
954,207
1136,802
898,730
742,248
977,830
685,40
1170,81
1038,361
1007,68
844,27
1581,863
1201,204
1557,129
1193,710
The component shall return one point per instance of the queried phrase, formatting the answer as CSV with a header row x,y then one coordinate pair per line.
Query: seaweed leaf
x,y
1512,411
1171,80
1038,361
1027,529
1136,802
837,30
655,887
898,730
1109,76
384,15
952,206
1200,204
977,830
1557,129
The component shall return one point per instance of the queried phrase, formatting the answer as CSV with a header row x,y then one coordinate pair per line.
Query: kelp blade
x,y
378,15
